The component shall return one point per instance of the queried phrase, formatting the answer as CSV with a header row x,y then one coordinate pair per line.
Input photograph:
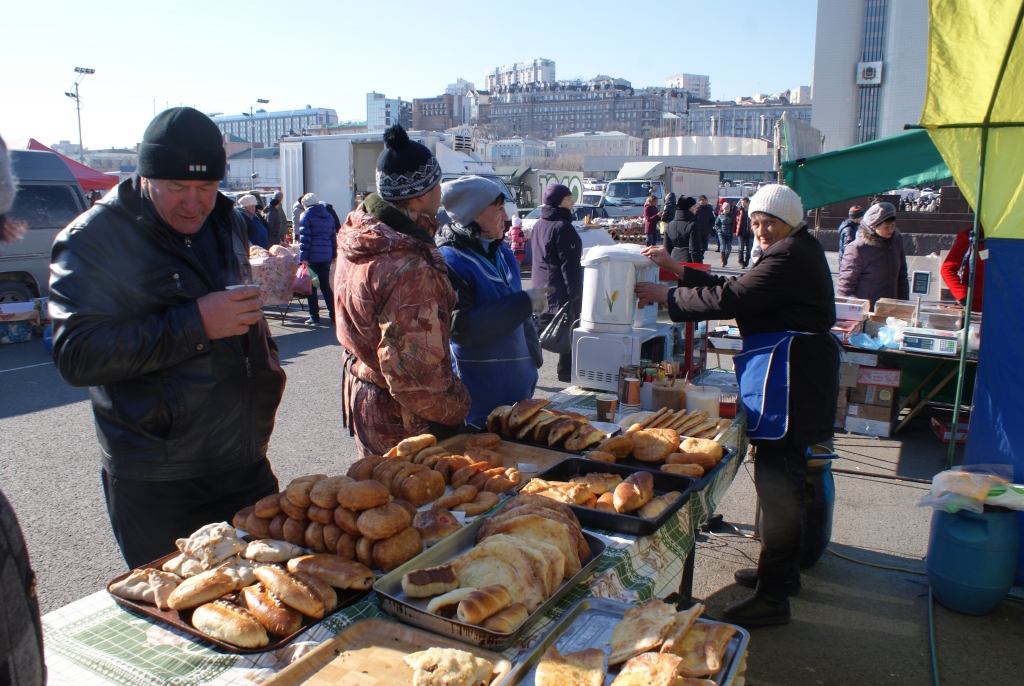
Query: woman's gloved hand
x,y
539,297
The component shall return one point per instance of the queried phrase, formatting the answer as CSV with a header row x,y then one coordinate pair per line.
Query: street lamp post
x,y
252,142
82,73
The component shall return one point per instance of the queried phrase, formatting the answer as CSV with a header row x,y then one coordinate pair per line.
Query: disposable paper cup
x,y
632,391
606,403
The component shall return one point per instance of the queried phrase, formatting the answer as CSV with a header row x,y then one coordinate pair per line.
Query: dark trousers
x,y
149,516
323,272
651,238
746,245
779,475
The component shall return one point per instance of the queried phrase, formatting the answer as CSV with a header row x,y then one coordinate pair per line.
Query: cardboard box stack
x,y
868,395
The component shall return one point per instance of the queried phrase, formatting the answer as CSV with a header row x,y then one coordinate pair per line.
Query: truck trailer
x,y
341,169
636,181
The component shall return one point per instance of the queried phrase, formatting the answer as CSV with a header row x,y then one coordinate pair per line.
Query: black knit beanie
x,y
684,203
182,144
405,169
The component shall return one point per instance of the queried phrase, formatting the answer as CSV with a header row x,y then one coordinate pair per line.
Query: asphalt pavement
x,y
853,624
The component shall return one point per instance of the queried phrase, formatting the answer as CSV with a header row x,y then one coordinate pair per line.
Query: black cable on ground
x,y
872,564
931,637
876,475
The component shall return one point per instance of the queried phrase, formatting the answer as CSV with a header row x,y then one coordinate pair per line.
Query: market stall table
x,y
93,641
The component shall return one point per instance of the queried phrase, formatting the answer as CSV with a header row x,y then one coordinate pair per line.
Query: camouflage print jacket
x,y
394,304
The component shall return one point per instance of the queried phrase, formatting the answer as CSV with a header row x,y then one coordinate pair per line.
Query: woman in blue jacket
x,y
495,350
318,246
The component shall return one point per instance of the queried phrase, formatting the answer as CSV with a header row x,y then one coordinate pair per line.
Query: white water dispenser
x,y
610,275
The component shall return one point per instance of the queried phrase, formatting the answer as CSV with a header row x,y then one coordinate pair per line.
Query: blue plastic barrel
x,y
820,489
972,558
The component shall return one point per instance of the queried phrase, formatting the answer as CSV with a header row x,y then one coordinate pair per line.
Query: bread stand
x,y
675,580
92,641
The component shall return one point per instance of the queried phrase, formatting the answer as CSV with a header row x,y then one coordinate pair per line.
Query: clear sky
x,y
221,57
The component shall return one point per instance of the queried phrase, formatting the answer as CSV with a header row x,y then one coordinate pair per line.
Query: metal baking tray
x,y
728,453
589,623
183,620
632,524
414,610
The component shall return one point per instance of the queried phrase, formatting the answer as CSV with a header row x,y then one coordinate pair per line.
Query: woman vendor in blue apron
x,y
788,374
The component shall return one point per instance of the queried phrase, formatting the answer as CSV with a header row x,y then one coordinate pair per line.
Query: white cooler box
x,y
596,357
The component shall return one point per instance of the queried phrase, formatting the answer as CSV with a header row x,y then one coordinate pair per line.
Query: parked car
x,y
579,211
48,199
590,198
530,219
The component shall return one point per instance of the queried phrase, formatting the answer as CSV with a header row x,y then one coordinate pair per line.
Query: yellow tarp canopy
x,y
976,76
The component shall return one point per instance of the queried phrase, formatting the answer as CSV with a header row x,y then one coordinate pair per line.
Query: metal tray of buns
x,y
414,610
589,624
623,523
728,453
183,619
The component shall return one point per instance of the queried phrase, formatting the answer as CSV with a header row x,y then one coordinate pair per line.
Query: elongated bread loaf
x,y
482,603
200,589
294,592
230,623
278,618
508,620
335,570
634,492
321,589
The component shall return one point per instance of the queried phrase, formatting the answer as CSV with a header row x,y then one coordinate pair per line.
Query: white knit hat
x,y
310,199
778,201
246,201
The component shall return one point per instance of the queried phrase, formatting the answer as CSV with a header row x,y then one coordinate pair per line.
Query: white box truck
x,y
338,168
636,181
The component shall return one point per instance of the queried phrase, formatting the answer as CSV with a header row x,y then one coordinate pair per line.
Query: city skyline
x,y
174,57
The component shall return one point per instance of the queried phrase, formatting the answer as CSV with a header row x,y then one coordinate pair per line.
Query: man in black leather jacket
x,y
183,374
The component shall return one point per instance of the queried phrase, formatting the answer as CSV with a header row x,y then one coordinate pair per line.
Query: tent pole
x,y
968,301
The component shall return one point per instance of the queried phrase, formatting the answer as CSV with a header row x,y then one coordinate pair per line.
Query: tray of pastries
x,y
600,642
243,596
613,497
488,582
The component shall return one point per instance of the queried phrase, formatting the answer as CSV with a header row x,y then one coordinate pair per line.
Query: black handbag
x,y
557,335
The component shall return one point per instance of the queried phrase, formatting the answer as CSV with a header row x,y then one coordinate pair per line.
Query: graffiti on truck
x,y
574,180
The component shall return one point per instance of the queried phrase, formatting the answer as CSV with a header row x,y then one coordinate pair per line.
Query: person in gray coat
x,y
875,265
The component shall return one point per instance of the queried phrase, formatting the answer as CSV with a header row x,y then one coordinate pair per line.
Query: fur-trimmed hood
x,y
873,239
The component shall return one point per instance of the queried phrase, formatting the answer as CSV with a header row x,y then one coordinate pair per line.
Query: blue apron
x,y
762,370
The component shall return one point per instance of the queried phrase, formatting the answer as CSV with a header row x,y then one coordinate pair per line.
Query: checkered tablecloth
x,y
94,641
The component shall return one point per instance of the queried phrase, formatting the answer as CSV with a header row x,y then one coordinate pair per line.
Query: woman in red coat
x,y
651,217
956,269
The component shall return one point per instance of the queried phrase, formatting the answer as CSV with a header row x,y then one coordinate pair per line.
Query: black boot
x,y
757,610
748,578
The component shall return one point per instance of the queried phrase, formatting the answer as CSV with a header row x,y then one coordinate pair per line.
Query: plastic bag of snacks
x,y
275,275
970,487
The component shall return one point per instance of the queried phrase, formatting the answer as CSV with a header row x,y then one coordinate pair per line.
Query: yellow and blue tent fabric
x,y
974,113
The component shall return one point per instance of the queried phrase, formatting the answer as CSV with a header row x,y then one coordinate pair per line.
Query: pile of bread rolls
x,y
529,421
240,592
678,454
606,492
477,476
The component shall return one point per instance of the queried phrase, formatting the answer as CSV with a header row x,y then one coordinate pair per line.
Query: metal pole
x,y
969,300
252,144
78,107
